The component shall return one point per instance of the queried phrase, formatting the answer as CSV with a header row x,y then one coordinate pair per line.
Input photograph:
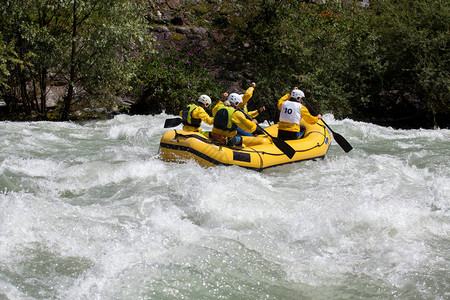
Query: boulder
x,y
54,95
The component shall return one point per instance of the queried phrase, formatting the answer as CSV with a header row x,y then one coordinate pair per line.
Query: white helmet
x,y
296,95
235,99
204,99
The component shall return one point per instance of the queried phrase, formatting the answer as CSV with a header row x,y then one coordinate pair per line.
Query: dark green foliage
x,y
414,40
83,45
387,63
291,44
174,73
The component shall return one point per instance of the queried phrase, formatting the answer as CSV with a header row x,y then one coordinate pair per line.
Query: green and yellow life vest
x,y
187,118
222,119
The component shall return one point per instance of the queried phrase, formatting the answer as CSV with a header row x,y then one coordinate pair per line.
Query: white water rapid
x,y
88,211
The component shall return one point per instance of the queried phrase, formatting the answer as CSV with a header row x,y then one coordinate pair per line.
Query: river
x,y
88,211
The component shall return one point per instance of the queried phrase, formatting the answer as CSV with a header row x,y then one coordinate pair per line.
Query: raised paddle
x,y
281,144
337,137
172,122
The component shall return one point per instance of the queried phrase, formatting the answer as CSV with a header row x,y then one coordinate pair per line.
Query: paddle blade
x,y
342,142
284,147
172,122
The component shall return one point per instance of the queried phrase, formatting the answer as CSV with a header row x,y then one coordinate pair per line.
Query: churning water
x,y
88,211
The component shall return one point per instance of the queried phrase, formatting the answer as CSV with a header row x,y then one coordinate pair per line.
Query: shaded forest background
x,y
385,63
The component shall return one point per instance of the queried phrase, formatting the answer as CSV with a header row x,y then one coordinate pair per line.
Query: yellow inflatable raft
x,y
256,153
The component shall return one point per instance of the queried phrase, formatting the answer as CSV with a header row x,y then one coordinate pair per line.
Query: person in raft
x,y
226,121
252,114
291,112
193,114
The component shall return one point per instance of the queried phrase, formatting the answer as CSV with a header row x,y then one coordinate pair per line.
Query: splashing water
x,y
88,211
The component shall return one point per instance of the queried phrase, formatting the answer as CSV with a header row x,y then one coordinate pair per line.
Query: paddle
x,y
282,145
172,122
337,137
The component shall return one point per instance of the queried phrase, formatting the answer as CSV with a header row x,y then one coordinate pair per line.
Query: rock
x,y
101,110
160,29
54,95
200,31
234,87
218,37
183,30
204,43
173,4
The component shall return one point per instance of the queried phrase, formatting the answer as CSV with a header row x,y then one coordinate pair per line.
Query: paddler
x,y
193,114
226,121
291,113
252,114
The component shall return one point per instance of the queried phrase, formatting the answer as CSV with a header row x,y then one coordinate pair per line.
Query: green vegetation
x,y
414,45
85,45
175,72
387,63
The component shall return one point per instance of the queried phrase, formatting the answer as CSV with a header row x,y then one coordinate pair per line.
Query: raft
x,y
257,153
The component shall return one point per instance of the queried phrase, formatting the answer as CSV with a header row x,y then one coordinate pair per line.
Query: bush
x,y
175,72
387,64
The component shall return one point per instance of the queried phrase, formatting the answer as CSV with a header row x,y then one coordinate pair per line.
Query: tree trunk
x,y
43,88
35,101
24,95
68,99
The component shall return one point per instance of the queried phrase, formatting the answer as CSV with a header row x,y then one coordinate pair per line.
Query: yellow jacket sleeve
x,y
245,124
181,113
253,114
307,116
200,113
283,99
248,94
216,107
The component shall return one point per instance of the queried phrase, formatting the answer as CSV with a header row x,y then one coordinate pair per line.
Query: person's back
x,y
193,114
291,113
223,127
226,121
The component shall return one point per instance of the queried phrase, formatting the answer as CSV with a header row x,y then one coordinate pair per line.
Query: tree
x,y
387,63
414,38
7,56
101,55
89,45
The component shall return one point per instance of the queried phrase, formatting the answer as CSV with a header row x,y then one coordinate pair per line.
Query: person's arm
x,y
242,122
283,99
216,107
200,113
248,94
307,116
254,113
